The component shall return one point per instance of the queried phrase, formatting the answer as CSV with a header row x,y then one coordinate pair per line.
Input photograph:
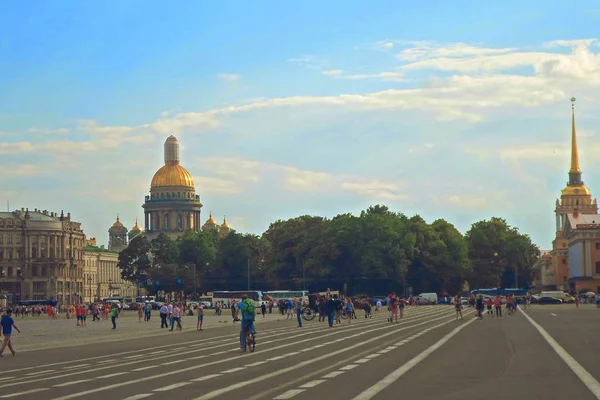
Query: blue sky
x,y
456,110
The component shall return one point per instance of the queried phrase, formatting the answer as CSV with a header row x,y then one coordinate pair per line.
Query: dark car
x,y
549,300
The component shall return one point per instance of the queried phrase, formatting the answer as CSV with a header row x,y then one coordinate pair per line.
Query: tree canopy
x,y
376,252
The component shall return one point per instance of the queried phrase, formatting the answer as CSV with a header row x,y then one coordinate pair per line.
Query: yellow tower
x,y
575,198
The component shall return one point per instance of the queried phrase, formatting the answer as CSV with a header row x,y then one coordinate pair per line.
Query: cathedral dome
x,y
210,221
118,223
136,227
172,175
225,225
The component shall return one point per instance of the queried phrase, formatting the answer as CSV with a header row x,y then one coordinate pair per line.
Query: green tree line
x,y
376,252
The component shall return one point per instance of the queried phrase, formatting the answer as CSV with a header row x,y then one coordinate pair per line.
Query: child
x,y
7,324
488,303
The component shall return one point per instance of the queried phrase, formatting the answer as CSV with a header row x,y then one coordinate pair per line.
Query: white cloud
x,y
214,185
376,190
48,131
230,77
24,170
333,72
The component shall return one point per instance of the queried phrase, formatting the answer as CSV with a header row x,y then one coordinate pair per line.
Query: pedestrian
x,y
498,305
7,324
298,306
176,317
164,312
114,313
263,309
200,310
458,307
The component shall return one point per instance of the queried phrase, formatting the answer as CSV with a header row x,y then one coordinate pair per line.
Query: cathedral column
x,y
146,220
198,223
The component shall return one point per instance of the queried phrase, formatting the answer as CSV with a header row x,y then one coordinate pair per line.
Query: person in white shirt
x,y
164,313
170,307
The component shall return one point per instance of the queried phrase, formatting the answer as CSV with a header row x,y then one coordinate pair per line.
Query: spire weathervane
x,y
575,171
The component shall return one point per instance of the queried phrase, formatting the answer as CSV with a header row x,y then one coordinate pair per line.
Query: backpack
x,y
248,307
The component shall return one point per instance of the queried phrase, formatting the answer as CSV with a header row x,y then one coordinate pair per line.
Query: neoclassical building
x,y
41,256
102,277
576,248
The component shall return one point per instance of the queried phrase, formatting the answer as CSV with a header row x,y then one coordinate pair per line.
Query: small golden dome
x,y
118,223
576,190
172,175
210,221
136,227
225,225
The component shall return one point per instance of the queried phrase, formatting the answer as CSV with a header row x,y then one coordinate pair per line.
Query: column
x,y
198,222
47,244
146,219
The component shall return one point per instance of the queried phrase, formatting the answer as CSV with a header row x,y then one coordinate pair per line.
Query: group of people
x,y
492,304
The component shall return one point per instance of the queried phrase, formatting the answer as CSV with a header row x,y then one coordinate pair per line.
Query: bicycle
x,y
308,314
250,341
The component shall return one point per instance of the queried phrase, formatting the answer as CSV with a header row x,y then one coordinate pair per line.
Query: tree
x,y
134,261
197,253
500,255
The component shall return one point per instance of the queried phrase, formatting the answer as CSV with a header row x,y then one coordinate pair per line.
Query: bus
x,y
226,297
34,303
277,295
500,291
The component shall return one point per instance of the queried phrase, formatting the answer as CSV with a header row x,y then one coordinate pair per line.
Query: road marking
x,y
362,360
136,356
373,355
197,358
164,351
312,384
397,374
333,374
554,315
76,366
173,386
8,396
588,380
219,392
275,358
107,361
256,364
111,375
229,371
205,378
307,349
384,351
139,396
6,378
349,367
172,362
293,353
145,368
426,317
40,372
220,352
71,383
289,394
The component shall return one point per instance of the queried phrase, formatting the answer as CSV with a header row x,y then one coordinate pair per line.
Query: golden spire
x,y
574,152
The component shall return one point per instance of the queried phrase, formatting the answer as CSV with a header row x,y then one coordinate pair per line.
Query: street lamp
x,y
89,281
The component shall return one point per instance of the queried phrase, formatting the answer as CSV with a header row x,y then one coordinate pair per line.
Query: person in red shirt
x,y
489,303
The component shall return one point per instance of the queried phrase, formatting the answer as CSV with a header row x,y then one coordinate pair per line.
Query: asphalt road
x,y
428,355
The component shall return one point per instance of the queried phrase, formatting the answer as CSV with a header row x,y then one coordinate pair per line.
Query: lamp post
x,y
303,277
89,281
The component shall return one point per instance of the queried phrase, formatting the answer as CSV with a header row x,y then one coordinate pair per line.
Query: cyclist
x,y
248,315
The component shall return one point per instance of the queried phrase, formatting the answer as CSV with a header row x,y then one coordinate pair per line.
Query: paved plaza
x,y
547,351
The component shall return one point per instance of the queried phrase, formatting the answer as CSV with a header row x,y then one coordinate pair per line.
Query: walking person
x,y
114,314
298,309
164,313
263,309
479,306
498,305
176,318
458,307
7,324
200,310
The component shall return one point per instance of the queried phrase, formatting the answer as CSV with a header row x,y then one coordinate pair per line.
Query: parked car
x,y
549,300
427,298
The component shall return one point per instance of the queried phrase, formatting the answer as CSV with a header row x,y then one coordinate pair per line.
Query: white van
x,y
427,298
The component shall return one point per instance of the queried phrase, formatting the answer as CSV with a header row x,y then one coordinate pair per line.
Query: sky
x,y
457,110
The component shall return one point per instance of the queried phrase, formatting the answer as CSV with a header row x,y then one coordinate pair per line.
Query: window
x,y
0,238
9,239
18,239
564,261
33,252
10,271
597,245
598,267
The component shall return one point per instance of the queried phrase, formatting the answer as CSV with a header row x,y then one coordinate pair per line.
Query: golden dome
x,y
210,221
172,175
118,223
136,227
576,190
225,225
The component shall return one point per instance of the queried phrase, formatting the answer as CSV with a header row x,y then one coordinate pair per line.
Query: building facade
x,y
574,248
117,236
41,256
102,277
